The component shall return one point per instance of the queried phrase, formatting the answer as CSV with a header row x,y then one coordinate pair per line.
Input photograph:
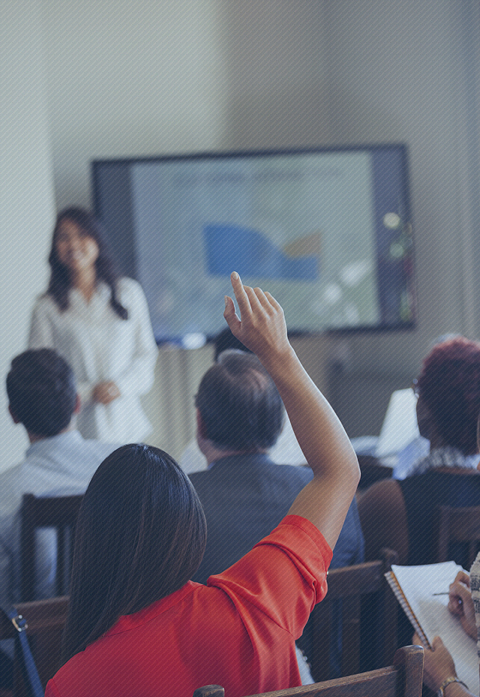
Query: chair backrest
x,y
368,616
458,525
46,620
402,679
60,513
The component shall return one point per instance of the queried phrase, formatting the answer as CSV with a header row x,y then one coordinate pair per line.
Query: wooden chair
x,y
58,512
46,620
402,679
368,617
460,526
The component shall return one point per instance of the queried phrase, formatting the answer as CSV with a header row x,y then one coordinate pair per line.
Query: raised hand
x,y
327,448
261,326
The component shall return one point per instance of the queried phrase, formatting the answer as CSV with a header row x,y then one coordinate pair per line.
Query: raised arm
x,y
327,449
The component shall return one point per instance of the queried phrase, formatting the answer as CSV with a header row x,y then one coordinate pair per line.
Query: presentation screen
x,y
326,231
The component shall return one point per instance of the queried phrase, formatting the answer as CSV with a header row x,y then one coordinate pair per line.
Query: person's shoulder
x,y
382,497
13,483
295,532
128,287
203,479
193,476
384,489
293,473
98,448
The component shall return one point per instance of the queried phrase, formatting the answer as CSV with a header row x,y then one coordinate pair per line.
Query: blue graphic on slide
x,y
236,248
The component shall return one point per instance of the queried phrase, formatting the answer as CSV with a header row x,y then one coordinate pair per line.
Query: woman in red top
x,y
136,624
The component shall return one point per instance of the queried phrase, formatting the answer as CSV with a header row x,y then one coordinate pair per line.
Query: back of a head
x,y
41,391
225,340
240,406
140,536
449,384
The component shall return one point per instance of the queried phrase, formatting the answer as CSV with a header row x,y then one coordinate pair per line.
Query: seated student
x,y
243,493
285,451
43,398
401,514
136,624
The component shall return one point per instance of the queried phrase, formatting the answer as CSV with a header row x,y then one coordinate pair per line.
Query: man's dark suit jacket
x,y
245,497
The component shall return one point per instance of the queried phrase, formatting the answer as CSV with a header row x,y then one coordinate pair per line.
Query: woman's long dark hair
x,y
60,277
140,536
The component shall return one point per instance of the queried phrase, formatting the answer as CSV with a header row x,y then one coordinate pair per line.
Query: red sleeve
x,y
284,575
51,689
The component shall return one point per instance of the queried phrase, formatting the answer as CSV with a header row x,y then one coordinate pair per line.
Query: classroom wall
x,y
26,191
130,78
174,77
408,71
160,76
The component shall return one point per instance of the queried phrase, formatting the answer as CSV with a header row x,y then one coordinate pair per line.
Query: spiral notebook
x,y
416,589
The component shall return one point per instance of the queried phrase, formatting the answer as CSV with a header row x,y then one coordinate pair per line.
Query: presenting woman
x,y
100,324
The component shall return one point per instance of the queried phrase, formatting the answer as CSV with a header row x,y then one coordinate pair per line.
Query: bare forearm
x,y
455,689
320,433
325,500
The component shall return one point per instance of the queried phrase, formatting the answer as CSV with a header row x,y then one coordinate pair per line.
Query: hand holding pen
x,y
460,603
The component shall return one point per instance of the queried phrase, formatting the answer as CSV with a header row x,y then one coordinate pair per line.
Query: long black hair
x,y
60,277
140,536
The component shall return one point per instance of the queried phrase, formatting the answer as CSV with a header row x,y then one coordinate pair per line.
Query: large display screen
x,y
327,232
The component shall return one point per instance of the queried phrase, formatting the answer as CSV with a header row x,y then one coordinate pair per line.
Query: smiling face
x,y
75,250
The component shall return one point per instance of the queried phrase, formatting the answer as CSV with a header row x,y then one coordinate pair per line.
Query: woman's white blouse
x,y
100,346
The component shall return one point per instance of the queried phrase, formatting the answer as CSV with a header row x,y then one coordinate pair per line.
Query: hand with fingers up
x,y
261,326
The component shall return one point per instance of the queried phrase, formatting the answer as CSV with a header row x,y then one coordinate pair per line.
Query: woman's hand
x,y
262,326
105,392
460,603
438,664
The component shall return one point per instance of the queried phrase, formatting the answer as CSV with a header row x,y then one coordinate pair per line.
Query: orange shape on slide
x,y
309,245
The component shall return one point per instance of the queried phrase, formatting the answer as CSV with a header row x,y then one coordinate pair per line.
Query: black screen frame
x,y
122,216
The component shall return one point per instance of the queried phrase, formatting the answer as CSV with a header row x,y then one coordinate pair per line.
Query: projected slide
x,y
299,227
251,254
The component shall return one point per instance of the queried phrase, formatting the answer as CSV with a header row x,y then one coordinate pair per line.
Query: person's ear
x,y
201,430
424,419
15,419
78,405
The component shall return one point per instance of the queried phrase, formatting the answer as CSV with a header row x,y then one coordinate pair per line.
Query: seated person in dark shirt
x,y
402,514
244,494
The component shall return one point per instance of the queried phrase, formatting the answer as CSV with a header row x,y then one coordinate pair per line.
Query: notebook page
x,y
419,583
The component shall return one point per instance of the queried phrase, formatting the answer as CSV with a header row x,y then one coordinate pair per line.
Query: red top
x,y
239,631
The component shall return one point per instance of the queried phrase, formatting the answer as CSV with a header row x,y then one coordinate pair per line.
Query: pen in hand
x,y
460,601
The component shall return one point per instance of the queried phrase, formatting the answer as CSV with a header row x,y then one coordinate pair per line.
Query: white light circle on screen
x,y
391,220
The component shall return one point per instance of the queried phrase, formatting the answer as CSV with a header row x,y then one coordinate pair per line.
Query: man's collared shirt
x,y
58,466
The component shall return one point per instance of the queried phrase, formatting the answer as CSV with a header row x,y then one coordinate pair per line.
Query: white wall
x,y
406,71
129,78
155,76
400,72
26,191
171,76
275,59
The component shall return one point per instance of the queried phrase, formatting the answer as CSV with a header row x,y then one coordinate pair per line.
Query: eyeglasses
x,y
415,387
